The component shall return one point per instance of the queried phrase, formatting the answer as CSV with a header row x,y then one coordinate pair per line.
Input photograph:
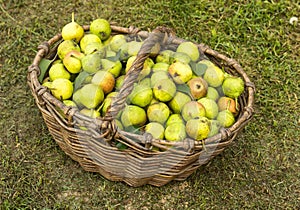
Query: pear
x,y
134,47
101,28
72,31
156,129
181,57
65,47
213,75
58,70
90,112
164,56
214,127
105,80
174,118
229,104
164,90
119,82
198,129
117,41
69,103
160,67
62,89
93,47
146,82
190,49
226,118
175,132
87,39
90,95
211,107
133,116
212,93
113,67
158,112
141,95
180,72
198,87
91,63
233,86
72,61
192,110
156,76
178,101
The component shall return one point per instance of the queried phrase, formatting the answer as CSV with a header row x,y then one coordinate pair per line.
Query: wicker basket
x,y
94,148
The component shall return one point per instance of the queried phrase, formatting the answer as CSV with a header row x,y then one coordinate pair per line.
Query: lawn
x,y
259,171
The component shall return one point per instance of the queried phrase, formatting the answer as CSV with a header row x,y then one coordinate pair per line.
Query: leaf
x,y
198,68
80,79
44,65
184,88
121,146
116,57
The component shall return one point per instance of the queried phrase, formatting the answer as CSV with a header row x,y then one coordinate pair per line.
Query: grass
x,y
259,171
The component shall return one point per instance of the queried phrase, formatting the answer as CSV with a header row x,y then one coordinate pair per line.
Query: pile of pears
x,y
178,93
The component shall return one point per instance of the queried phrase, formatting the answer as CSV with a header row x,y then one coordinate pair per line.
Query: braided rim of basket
x,y
105,127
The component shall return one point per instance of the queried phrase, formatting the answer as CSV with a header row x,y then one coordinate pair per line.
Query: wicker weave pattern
x,y
94,148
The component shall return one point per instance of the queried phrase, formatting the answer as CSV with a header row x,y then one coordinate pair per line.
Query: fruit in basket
x,y
158,112
211,107
180,72
117,41
229,104
90,96
181,57
233,86
93,47
141,95
190,49
213,75
192,110
198,129
90,112
178,101
133,115
164,90
119,82
101,28
175,132
214,128
156,129
105,80
72,31
70,103
113,67
134,47
107,102
58,71
62,88
158,75
212,93
164,56
198,87
87,39
91,63
65,47
72,61
226,118
160,67
174,118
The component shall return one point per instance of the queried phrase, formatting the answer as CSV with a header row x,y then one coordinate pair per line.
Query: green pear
x,y
146,69
90,95
69,103
65,47
93,47
90,112
213,75
62,88
110,53
105,80
180,72
141,95
211,107
117,41
134,47
101,28
146,82
91,63
180,57
175,132
233,86
214,128
155,129
72,61
58,70
192,110
226,118
113,67
164,56
178,101
124,56
72,31
119,82
164,90
133,116
160,67
156,76
198,129
212,93
174,118
158,112
190,49
87,39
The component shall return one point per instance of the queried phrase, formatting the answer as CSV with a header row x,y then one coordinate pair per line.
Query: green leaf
x,y
44,65
80,79
116,57
121,146
198,68
184,88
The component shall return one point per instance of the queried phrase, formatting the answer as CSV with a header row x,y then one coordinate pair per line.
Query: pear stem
x,y
73,17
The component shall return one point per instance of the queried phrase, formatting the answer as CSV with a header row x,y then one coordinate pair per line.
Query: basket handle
x,y
159,35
